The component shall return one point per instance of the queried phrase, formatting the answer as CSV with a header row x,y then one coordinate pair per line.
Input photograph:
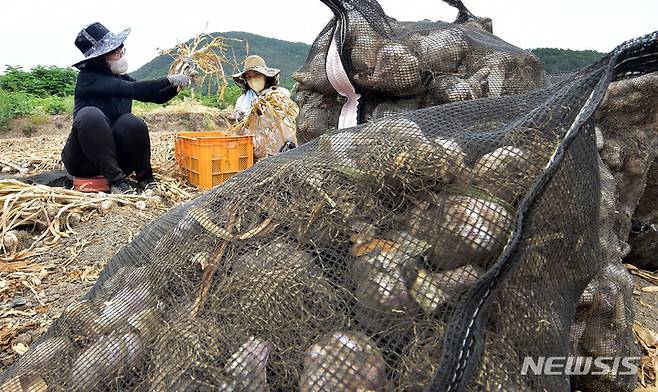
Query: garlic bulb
x,y
247,366
504,173
103,359
126,303
344,361
441,51
74,219
397,72
10,241
106,206
482,225
378,280
461,229
433,290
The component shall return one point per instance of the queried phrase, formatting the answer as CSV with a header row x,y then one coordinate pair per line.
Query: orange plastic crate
x,y
209,159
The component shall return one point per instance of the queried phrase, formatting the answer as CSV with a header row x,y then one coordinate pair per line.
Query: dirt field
x,y
64,273
34,291
35,294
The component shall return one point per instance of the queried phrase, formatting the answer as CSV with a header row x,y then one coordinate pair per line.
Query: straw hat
x,y
256,63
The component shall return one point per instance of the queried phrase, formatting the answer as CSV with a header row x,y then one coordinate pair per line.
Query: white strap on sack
x,y
341,82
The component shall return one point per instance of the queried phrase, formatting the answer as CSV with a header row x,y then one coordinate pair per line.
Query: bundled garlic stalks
x,y
205,57
271,121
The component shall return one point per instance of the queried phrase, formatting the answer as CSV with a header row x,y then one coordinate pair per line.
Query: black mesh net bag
x,y
365,65
430,251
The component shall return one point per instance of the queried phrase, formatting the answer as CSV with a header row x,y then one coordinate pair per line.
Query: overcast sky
x,y
43,31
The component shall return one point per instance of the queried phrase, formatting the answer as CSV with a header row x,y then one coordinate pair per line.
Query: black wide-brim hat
x,y
96,40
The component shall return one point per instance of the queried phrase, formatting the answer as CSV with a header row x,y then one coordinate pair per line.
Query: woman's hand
x,y
179,80
237,116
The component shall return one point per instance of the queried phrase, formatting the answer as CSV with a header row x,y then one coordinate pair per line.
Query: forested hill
x,y
565,60
290,56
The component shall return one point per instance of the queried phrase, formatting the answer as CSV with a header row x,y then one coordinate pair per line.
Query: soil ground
x,y
646,304
69,270
66,270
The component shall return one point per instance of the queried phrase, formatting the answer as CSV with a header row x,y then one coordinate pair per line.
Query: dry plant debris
x,y
646,275
53,212
41,154
278,104
206,57
35,218
648,340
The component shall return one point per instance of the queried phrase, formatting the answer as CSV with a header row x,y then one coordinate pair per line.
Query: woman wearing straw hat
x,y
106,138
273,132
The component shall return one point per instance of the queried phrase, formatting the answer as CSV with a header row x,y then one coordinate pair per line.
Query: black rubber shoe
x,y
146,184
122,188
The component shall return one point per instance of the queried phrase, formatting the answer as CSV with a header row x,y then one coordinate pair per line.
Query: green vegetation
x,y
20,104
35,94
565,60
40,81
35,120
49,90
231,95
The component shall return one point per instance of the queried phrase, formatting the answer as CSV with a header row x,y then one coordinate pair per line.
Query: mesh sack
x,y
604,315
434,250
397,67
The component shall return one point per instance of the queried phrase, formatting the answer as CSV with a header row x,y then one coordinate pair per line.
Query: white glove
x,y
179,80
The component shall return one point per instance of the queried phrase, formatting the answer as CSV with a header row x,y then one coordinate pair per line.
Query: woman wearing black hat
x,y
106,138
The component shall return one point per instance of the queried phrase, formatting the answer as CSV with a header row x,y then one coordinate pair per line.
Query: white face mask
x,y
257,83
119,67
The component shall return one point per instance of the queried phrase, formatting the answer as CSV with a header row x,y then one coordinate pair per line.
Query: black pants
x,y
97,147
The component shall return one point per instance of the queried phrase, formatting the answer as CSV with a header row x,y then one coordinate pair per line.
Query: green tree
x,y
565,60
40,81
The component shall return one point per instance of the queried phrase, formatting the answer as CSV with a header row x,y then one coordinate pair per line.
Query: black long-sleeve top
x,y
113,94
